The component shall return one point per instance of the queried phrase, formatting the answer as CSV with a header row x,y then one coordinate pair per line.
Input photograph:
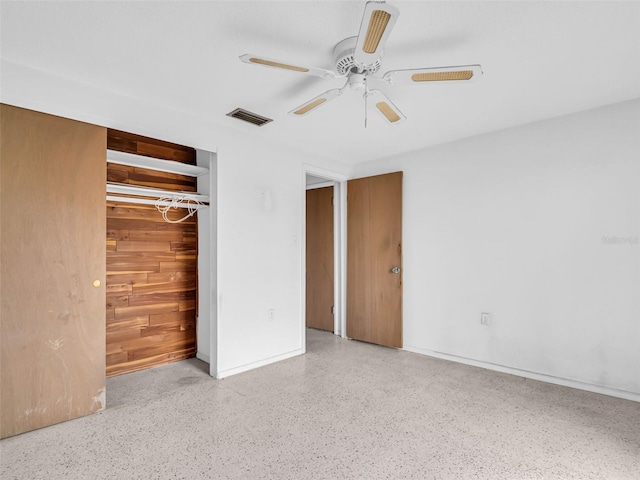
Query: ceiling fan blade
x,y
377,22
461,73
268,62
316,102
385,107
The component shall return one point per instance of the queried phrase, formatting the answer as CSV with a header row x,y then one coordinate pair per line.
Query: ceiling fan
x,y
358,59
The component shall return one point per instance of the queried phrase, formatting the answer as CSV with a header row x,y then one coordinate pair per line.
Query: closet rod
x,y
149,201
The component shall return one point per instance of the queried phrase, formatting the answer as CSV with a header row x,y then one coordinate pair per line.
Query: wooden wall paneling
x,y
151,266
142,177
52,250
140,293
150,147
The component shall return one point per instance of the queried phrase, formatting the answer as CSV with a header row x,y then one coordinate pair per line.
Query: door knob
x,y
97,283
395,270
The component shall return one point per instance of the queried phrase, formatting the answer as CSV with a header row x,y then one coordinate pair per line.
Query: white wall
x,y
207,261
519,224
511,223
260,258
260,228
259,190
260,215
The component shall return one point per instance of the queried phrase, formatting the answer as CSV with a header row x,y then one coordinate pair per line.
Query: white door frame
x,y
339,182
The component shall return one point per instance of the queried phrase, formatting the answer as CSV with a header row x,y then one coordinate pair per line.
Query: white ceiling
x,y
540,60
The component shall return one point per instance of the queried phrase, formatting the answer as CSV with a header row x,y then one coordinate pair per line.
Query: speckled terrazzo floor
x,y
343,410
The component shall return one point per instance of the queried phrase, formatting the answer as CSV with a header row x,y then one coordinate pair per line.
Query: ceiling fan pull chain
x,y
366,94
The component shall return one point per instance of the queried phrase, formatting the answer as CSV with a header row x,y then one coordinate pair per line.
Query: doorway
x,y
319,256
375,294
331,302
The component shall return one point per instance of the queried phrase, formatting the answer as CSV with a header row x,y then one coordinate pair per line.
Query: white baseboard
x,y
260,363
203,357
532,375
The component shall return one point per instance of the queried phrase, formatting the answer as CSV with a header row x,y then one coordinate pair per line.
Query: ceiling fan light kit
x,y
359,59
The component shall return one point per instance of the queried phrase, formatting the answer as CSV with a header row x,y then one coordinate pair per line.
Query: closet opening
x,y
159,234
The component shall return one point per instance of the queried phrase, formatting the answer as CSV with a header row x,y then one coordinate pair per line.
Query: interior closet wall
x,y
151,265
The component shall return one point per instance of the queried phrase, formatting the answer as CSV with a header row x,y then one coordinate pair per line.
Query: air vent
x,y
247,116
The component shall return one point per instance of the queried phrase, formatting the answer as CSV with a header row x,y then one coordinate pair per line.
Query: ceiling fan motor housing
x,y
357,81
343,57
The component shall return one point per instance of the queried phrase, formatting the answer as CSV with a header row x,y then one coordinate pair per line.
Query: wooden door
x,y
53,250
319,279
374,252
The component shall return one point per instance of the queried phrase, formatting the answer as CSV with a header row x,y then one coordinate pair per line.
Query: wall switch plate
x,y
271,313
484,319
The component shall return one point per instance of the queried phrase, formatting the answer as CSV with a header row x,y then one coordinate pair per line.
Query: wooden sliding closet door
x,y
53,269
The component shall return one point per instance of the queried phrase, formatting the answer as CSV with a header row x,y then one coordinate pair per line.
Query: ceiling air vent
x,y
247,116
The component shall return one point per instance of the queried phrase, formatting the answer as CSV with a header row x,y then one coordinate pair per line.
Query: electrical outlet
x,y
271,314
484,319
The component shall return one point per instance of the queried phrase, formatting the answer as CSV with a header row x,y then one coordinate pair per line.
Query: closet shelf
x,y
134,192
133,160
